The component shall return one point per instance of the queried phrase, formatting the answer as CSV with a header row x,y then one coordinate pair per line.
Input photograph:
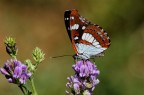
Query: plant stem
x,y
21,88
33,87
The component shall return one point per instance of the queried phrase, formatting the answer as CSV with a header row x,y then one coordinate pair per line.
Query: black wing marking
x,y
67,22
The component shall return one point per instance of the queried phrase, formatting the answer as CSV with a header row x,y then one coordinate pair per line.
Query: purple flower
x,y
85,68
15,72
85,78
74,83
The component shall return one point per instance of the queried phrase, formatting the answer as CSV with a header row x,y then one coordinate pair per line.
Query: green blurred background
x,y
41,23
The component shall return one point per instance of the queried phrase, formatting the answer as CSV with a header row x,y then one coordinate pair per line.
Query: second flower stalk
x,y
17,72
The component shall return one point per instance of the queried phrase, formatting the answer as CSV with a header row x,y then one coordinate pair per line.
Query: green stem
x,y
33,87
21,88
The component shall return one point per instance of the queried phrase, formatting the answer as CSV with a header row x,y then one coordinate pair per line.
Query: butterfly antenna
x,y
60,56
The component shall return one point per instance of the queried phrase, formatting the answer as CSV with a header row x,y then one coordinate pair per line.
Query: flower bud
x,y
11,46
38,55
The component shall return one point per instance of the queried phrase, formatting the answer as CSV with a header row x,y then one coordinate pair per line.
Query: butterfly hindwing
x,y
94,41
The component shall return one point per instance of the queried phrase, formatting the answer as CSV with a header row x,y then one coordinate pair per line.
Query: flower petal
x,y
76,88
23,79
10,80
3,71
17,72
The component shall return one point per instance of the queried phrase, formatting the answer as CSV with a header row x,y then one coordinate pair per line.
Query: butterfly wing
x,y
74,25
93,42
87,39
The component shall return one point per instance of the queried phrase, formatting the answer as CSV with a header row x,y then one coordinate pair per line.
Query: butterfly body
x,y
87,39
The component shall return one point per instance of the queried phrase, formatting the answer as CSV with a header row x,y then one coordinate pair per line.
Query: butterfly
x,y
88,40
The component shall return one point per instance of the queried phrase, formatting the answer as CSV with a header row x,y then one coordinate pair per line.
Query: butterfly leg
x,y
75,57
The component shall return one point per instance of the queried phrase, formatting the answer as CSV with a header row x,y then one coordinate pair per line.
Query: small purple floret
x,y
15,72
85,78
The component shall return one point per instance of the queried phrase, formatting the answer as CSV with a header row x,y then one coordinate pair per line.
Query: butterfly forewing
x,y
75,24
67,22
